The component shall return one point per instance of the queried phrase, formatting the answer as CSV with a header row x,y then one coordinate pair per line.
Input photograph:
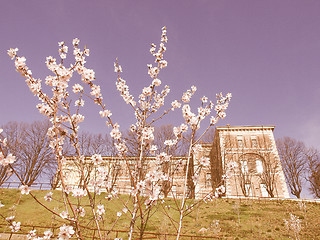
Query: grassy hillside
x,y
225,218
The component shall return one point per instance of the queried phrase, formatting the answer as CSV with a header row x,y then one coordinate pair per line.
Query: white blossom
x,y
65,232
10,218
95,91
8,160
205,161
105,113
117,67
156,82
75,41
20,62
81,211
86,52
147,134
115,132
147,91
204,99
12,52
15,226
24,189
45,109
100,209
78,192
64,214
175,104
48,197
32,234
163,63
76,118
47,234
79,102
153,149
77,88
96,159
213,120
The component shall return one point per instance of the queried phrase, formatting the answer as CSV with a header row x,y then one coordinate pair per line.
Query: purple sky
x,y
267,53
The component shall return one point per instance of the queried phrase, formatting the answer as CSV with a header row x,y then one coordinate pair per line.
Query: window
x,y
117,166
132,167
174,189
264,192
244,166
248,188
254,141
145,166
259,166
208,180
240,141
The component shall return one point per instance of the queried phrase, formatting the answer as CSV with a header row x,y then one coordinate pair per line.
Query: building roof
x,y
241,128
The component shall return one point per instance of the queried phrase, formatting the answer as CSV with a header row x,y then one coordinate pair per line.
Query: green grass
x,y
238,219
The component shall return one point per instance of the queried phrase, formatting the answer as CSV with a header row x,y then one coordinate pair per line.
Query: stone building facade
x,y
243,162
117,173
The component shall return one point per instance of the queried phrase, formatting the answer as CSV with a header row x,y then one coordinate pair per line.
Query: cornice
x,y
246,128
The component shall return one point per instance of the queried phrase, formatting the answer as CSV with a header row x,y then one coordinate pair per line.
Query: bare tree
x,y
5,171
270,165
293,158
269,174
208,137
30,145
132,143
5,174
313,162
89,145
161,134
245,173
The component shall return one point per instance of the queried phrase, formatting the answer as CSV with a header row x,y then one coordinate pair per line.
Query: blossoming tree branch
x,y
148,191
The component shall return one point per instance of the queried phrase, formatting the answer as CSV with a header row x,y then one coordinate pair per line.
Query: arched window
x,y
251,163
259,166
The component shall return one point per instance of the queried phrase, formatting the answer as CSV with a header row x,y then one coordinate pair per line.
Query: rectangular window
x,y
132,167
208,180
240,141
248,188
259,166
174,188
117,166
145,166
254,141
264,192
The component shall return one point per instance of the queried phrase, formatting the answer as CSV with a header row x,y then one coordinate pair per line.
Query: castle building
x,y
244,162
